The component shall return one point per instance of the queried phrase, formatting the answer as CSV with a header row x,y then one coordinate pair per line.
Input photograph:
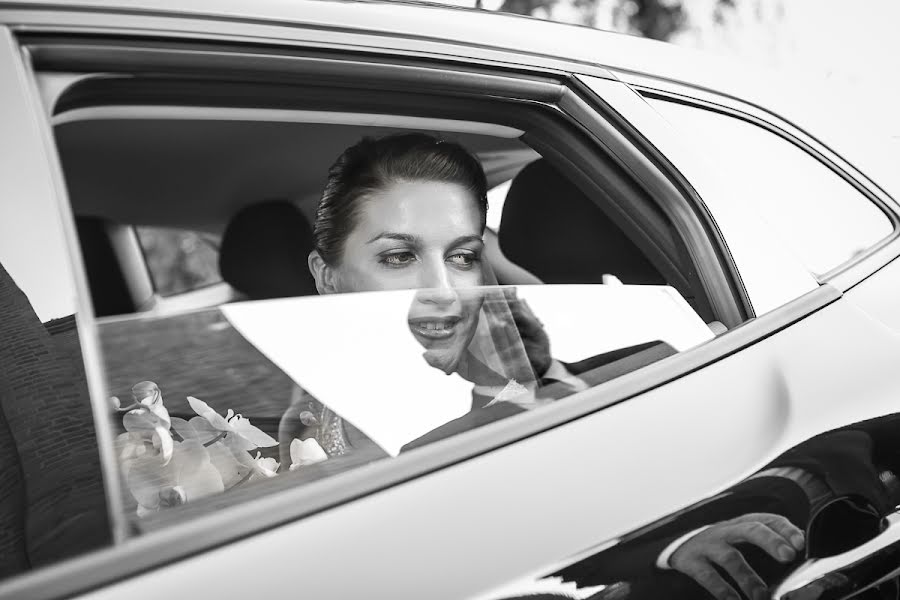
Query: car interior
x,y
249,178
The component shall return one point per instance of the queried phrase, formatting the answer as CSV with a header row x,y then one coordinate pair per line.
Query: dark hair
x,y
371,165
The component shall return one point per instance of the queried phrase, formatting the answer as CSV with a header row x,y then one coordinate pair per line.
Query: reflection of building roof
x,y
61,325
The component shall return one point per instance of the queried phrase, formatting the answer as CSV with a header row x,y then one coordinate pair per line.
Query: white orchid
x,y
188,476
306,452
262,467
212,455
233,428
146,394
232,462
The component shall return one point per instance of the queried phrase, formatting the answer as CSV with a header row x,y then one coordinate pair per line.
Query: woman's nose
x,y
437,285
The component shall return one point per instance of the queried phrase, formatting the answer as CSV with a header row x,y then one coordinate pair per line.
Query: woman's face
x,y
428,236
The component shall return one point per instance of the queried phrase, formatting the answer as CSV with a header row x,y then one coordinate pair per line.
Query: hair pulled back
x,y
371,165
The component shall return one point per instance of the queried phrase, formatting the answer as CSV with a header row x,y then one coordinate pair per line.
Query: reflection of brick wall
x,y
195,354
46,409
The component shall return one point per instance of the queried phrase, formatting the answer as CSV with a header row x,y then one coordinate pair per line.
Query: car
x,y
716,251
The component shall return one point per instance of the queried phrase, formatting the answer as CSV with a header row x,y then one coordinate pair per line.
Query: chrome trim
x,y
87,333
290,502
849,573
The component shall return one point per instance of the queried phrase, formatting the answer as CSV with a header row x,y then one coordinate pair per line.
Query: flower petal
x,y
252,434
146,477
203,409
306,452
187,431
140,420
230,465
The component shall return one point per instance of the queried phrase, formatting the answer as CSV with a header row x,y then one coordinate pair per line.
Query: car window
x,y
821,217
179,260
211,399
52,496
214,402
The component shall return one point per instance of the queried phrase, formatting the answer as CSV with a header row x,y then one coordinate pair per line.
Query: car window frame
x,y
848,273
137,554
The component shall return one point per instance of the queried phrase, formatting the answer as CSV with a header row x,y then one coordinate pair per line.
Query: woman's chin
x,y
443,360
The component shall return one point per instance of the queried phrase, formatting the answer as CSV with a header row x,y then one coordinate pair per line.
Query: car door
x,y
517,497
836,562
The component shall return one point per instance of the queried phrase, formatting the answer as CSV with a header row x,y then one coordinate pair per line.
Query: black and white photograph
x,y
450,299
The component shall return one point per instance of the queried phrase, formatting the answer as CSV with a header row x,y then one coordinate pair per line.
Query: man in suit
x,y
836,486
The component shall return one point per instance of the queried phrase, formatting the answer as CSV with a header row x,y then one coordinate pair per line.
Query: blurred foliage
x,y
656,19
179,260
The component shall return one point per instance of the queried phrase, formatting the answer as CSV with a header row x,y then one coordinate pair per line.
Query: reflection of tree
x,y
657,19
179,260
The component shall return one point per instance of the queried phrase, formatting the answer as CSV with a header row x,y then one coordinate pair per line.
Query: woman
x,y
408,212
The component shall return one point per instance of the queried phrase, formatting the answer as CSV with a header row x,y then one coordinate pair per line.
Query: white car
x,y
715,252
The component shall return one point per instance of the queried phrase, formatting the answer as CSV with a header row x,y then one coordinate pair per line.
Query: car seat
x,y
550,228
264,251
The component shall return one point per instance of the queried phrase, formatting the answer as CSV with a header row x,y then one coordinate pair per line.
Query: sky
x,y
849,45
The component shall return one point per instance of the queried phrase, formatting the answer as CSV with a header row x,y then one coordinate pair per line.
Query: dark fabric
x,y
615,363
264,251
846,459
109,291
552,229
52,498
635,560
626,359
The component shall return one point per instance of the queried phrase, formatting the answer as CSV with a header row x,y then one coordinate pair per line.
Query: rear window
x,y
179,260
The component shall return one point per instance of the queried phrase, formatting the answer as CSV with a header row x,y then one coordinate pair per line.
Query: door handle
x,y
849,573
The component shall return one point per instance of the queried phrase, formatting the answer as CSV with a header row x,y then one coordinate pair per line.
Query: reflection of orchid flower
x,y
263,468
234,429
188,476
146,394
306,452
145,425
231,462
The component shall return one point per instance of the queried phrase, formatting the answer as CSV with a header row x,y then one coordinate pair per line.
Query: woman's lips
x,y
434,328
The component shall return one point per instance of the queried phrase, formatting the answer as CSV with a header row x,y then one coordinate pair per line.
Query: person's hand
x,y
531,330
715,546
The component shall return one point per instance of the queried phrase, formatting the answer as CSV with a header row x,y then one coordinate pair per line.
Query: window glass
x,y
219,400
179,260
819,215
411,331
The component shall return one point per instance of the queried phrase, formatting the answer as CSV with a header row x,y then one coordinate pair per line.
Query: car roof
x,y
474,33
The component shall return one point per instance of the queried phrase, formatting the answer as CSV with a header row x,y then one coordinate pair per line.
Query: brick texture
x,y
52,502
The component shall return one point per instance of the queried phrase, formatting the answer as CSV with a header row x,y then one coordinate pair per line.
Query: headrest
x,y
550,228
264,251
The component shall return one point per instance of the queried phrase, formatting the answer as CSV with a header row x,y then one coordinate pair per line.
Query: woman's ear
x,y
322,273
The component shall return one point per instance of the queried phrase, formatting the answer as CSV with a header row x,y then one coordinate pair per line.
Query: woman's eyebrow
x,y
400,237
468,238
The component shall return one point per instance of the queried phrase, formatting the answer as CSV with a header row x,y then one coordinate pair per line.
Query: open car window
x,y
179,260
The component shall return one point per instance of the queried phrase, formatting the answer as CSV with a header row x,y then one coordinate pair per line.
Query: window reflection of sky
x,y
355,352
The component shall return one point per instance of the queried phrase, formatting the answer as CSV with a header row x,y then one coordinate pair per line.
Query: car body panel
x,y
469,517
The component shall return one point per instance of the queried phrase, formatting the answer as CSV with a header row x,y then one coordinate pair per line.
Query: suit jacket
x,y
594,371
846,459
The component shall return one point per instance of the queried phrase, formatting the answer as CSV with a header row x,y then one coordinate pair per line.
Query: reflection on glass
x,y
215,400
819,522
52,501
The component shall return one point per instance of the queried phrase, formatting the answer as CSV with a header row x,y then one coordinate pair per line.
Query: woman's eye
x,y
463,259
398,259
